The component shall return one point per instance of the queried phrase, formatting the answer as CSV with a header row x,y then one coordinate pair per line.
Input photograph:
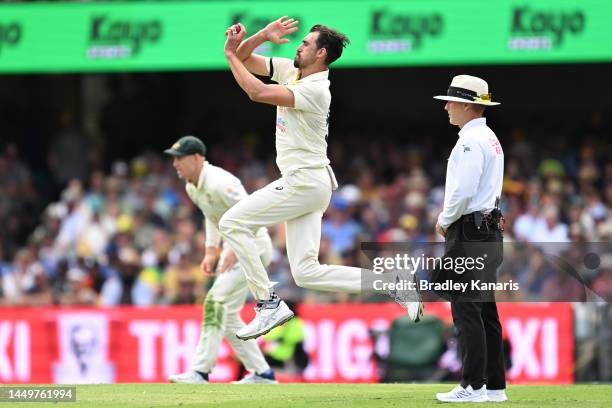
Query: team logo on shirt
x,y
232,192
281,124
466,148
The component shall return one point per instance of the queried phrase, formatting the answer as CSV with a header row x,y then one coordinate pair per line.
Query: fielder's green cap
x,y
187,145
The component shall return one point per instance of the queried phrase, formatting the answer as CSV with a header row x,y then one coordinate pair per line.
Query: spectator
x,y
548,228
121,287
525,224
341,230
184,282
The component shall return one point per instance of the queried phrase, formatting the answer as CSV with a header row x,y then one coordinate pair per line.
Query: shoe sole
x,y
254,336
459,401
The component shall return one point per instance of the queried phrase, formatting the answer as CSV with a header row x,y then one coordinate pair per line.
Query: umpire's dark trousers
x,y
475,311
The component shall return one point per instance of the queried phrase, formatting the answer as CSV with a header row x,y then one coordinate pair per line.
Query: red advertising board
x,y
58,345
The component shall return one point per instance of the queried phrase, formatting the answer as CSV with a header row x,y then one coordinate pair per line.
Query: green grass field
x,y
317,395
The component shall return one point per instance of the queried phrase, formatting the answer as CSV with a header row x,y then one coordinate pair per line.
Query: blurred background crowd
x,y
126,233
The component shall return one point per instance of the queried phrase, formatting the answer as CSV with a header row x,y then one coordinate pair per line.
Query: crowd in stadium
x,y
130,235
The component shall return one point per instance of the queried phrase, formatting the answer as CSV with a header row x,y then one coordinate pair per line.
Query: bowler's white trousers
x,y
299,199
222,308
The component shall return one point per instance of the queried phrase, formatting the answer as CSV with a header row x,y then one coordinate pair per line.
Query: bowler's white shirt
x,y
216,192
475,172
301,132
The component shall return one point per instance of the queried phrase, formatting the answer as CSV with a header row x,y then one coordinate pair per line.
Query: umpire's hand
x,y
440,230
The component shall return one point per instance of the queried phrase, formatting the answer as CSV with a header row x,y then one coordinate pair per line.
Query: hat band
x,y
461,93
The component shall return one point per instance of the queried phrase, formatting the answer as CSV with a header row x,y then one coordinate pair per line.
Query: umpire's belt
x,y
480,219
471,217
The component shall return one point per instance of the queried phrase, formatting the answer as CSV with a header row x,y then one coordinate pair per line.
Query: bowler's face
x,y
306,53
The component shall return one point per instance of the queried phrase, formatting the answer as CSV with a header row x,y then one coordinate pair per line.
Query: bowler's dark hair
x,y
332,40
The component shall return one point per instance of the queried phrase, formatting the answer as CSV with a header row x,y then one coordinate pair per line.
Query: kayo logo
x,y
112,38
394,32
10,34
544,29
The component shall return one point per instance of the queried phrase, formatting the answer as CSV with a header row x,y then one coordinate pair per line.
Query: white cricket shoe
x,y
409,300
254,378
189,377
268,315
460,394
415,310
497,395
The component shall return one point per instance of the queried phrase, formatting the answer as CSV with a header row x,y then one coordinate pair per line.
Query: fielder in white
x,y
214,191
301,196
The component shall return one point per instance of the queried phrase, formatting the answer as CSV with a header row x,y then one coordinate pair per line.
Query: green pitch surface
x,y
317,395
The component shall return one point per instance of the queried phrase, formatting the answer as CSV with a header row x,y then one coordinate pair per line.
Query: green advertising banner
x,y
141,36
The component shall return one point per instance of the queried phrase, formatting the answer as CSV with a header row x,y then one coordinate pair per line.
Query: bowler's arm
x,y
254,63
257,91
273,32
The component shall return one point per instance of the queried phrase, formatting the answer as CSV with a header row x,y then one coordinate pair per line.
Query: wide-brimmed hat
x,y
468,89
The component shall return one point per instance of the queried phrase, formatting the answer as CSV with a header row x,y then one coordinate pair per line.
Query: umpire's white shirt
x,y
216,192
301,132
475,172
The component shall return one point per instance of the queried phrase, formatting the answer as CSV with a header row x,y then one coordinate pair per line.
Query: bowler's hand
x,y
208,264
276,30
440,230
234,35
229,261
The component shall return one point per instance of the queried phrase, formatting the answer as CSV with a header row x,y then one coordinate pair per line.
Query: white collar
x,y
202,177
472,123
317,76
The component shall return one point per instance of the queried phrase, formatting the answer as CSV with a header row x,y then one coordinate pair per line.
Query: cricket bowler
x,y
301,196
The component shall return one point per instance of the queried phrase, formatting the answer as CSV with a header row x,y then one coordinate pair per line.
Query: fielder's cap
x,y
187,145
468,89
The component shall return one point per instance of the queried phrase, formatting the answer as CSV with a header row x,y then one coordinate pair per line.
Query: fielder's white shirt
x,y
216,192
475,172
301,132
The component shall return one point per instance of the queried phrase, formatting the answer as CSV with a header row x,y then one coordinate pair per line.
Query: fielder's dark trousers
x,y
475,311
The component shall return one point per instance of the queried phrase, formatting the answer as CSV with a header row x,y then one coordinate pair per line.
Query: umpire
x,y
472,226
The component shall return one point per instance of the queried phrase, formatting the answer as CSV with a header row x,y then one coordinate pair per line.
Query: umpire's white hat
x,y
468,89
